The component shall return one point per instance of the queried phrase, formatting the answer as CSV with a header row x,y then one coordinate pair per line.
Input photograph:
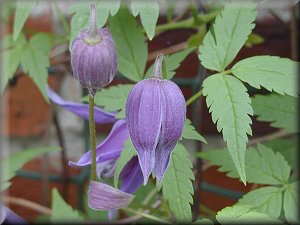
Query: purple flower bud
x,y
155,115
94,56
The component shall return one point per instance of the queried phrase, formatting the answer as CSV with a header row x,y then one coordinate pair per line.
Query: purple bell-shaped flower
x,y
155,115
94,57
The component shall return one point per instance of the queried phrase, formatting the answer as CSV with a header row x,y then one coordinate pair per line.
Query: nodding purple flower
x,y
155,115
94,57
7,216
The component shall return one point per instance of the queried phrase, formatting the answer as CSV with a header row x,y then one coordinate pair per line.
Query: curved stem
x,y
194,98
92,136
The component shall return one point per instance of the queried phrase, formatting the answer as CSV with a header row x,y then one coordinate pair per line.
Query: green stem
x,y
194,98
92,136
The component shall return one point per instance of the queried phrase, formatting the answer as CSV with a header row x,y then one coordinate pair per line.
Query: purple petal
x,y
105,197
131,176
144,117
106,169
82,110
110,148
174,113
8,216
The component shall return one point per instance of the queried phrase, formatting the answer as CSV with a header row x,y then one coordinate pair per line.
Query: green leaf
x,y
177,184
291,203
229,104
172,63
61,211
263,166
254,39
270,72
80,19
131,46
149,12
124,158
228,35
280,110
35,61
189,132
196,39
112,98
239,214
17,160
266,200
23,10
204,221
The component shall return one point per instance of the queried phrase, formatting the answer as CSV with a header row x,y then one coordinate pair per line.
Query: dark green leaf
x,y
280,110
177,184
131,46
228,35
270,72
229,105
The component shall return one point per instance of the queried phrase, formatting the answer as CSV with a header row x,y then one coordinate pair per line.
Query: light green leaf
x,y
35,61
172,63
149,12
131,46
228,35
112,98
263,166
266,200
196,39
126,155
80,19
270,72
291,203
204,221
239,214
189,132
61,211
23,10
177,184
17,160
229,104
254,39
280,110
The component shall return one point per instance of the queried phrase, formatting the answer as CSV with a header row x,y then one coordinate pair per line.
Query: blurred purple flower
x,y
102,196
7,216
155,115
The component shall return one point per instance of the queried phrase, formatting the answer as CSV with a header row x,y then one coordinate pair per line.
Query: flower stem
x,y
92,136
194,98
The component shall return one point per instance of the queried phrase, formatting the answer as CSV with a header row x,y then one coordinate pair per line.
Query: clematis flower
x,y
155,115
102,196
7,216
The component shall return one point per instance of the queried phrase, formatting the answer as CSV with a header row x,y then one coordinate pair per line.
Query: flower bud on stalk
x,y
155,115
94,57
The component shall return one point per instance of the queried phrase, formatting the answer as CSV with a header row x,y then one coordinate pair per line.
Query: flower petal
x,y
174,113
82,110
131,176
110,148
8,216
106,169
143,117
104,197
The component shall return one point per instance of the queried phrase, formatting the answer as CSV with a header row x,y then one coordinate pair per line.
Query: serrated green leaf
x,y
131,46
149,12
80,19
238,214
112,98
270,72
189,132
203,221
172,63
228,35
35,61
61,211
229,105
266,200
126,155
17,160
177,184
291,203
280,110
263,166
23,10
